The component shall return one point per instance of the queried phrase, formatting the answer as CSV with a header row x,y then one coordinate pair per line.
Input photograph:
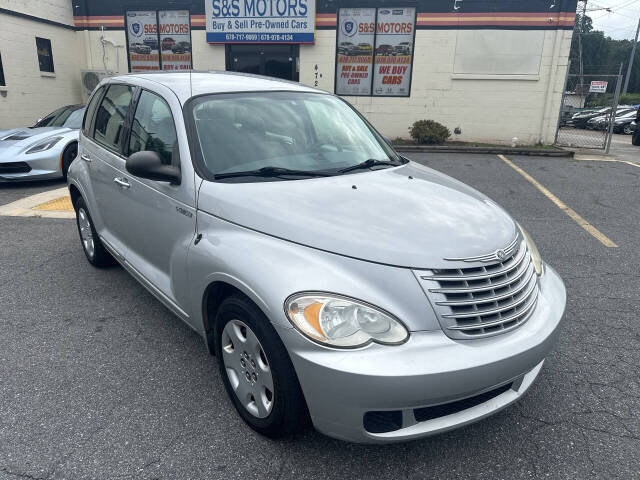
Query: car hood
x,y
408,216
23,137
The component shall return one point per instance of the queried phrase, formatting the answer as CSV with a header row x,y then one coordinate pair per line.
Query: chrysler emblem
x,y
501,255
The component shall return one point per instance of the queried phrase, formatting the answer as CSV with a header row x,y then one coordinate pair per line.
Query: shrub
x,y
606,99
429,132
629,99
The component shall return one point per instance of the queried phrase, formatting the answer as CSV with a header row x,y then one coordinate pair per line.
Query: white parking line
x,y
24,206
593,231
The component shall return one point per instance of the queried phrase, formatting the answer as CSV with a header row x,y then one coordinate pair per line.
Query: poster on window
x,y
354,51
175,39
142,41
395,36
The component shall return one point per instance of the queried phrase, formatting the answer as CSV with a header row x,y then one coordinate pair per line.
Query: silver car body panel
x,y
44,165
272,239
408,222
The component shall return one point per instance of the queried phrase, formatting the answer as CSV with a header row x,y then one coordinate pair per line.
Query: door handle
x,y
122,182
86,158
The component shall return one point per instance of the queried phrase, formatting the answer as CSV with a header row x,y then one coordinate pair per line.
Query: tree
x,y
602,54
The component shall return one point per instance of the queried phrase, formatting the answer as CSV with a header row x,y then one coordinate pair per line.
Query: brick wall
x,y
30,94
487,108
56,10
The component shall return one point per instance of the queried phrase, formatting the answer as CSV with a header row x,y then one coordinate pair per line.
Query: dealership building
x,y
489,70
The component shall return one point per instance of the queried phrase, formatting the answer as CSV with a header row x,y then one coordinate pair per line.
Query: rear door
x,y
107,161
87,151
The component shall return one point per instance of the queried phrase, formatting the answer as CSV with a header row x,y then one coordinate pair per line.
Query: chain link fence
x,y
589,107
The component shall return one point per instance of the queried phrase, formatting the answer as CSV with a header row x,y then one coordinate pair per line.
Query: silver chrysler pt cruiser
x,y
334,280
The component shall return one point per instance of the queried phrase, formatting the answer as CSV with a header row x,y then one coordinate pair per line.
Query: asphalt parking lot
x,y
99,380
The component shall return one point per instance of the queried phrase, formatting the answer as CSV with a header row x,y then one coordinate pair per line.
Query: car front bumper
x,y
342,386
42,166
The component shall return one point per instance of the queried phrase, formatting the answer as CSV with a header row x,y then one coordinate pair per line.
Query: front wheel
x,y
256,370
627,130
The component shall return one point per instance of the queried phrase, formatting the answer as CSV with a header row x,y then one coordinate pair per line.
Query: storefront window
x,y
45,56
159,40
374,51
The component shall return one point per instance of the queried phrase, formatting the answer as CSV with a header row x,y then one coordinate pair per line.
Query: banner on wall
x,y
260,21
175,39
395,37
142,41
354,51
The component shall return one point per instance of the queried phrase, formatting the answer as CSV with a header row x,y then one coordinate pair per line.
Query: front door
x,y
280,61
158,218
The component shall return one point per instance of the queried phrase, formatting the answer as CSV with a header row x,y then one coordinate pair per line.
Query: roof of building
x,y
192,83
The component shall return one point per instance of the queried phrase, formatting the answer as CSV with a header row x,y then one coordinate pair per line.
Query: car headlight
x,y
533,251
342,322
44,145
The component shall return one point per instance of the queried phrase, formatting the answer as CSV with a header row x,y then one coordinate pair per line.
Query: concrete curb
x,y
491,150
24,206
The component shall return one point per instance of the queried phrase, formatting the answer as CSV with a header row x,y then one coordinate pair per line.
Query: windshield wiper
x,y
372,162
272,171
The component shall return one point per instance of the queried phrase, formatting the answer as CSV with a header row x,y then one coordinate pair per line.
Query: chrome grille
x,y
488,299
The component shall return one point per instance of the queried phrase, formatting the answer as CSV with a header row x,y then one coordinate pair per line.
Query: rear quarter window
x,y
91,109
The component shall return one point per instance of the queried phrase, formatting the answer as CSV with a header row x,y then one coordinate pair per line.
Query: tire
x,y
627,129
636,137
93,249
256,370
68,156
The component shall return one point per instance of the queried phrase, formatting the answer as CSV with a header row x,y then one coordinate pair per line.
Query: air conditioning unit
x,y
91,79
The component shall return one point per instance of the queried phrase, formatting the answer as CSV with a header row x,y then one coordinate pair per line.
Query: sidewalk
x,y
51,204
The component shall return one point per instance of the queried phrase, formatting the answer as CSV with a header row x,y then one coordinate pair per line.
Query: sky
x,y
621,22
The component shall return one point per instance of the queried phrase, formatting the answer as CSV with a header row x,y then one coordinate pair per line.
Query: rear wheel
x,y
70,153
256,370
95,252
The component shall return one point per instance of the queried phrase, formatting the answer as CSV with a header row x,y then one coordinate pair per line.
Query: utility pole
x,y
584,13
633,55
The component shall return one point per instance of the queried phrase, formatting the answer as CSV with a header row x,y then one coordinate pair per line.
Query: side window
x,y
48,119
2,82
153,128
91,109
111,115
45,57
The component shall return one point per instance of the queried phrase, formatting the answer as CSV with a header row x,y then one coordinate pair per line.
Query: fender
x,y
268,270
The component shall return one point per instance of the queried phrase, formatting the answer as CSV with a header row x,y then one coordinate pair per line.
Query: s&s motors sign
x,y
260,21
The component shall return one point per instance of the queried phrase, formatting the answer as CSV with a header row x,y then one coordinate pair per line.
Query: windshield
x,y
74,120
69,117
306,132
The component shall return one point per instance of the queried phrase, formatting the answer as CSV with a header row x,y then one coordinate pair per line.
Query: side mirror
x,y
148,164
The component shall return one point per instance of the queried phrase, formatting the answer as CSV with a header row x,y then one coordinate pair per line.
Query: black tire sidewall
x,y
288,407
101,257
66,159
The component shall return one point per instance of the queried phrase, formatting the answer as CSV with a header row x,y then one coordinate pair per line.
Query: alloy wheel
x,y
247,368
85,233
